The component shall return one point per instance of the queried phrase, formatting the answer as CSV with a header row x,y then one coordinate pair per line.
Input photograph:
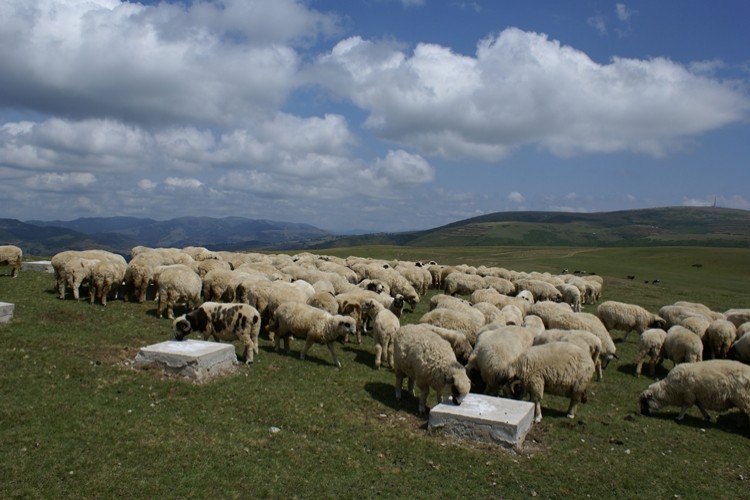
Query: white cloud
x,y
598,23
175,182
521,89
400,167
516,197
59,181
147,185
623,13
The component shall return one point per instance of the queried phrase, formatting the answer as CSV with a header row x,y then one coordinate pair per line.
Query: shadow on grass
x,y
732,422
385,394
629,369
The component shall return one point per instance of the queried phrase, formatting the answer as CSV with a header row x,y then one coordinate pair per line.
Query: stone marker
x,y
197,360
484,418
39,265
6,312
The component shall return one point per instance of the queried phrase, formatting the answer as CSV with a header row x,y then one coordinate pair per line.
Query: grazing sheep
x,y
325,301
743,329
429,362
11,255
499,300
628,317
494,353
591,323
650,344
541,290
560,368
491,312
682,346
60,265
717,384
571,295
223,322
459,343
140,274
581,338
720,336
449,301
77,270
385,324
737,316
313,324
177,283
467,322
105,276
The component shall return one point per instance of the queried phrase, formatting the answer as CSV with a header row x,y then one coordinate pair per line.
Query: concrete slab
x,y
6,312
197,360
44,266
484,418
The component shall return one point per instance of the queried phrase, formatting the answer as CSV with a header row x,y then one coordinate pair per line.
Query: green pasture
x,y
77,420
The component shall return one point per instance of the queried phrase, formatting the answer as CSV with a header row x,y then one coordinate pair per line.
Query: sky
x,y
371,115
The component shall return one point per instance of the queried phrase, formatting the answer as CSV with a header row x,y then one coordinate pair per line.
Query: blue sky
x,y
371,115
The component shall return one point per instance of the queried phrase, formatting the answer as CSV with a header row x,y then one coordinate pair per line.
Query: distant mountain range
x,y
669,226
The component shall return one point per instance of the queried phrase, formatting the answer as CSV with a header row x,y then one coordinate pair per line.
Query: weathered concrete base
x,y
44,266
484,418
197,360
6,312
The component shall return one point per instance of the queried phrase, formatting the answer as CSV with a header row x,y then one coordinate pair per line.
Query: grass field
x,y
78,421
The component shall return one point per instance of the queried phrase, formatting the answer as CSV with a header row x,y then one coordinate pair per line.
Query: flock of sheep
x,y
491,330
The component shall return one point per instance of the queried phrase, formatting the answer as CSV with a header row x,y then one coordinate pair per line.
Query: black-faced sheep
x,y
717,384
11,256
560,368
650,345
628,317
223,322
313,324
429,362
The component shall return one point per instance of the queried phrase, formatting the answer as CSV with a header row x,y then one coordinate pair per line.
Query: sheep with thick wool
x,y
682,346
223,322
467,322
175,284
571,295
720,335
105,277
499,300
428,361
314,325
650,346
385,324
541,290
324,300
495,351
560,368
581,338
459,343
73,275
589,322
11,256
740,349
628,317
737,316
718,385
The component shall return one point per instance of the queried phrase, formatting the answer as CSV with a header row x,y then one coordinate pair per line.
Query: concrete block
x,y
6,312
44,266
197,360
484,418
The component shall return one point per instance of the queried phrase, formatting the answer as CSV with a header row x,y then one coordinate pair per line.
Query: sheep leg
x,y
537,412
331,348
682,413
574,398
423,393
410,387
705,414
625,337
378,355
308,344
599,373
399,384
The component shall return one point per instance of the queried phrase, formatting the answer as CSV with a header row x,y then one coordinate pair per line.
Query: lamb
x,y
682,346
560,368
650,344
581,338
494,353
721,334
628,317
717,384
385,324
429,362
11,255
223,322
312,324
177,283
467,322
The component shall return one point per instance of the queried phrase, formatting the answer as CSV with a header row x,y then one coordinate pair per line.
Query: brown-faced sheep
x,y
313,324
429,362
223,322
717,384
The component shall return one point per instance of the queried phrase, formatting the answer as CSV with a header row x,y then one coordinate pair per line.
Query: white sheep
x,y
428,361
743,329
459,343
737,316
541,290
458,283
175,284
720,336
582,338
682,346
571,295
385,324
324,300
223,322
560,368
467,322
499,300
717,384
312,324
650,345
11,255
588,322
106,276
495,351
628,317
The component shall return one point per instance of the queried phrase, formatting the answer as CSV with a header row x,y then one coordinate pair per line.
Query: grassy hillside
x,y
79,421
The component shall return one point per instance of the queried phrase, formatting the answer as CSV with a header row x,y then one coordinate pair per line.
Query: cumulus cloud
x,y
400,167
599,23
59,181
622,12
522,89
516,197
